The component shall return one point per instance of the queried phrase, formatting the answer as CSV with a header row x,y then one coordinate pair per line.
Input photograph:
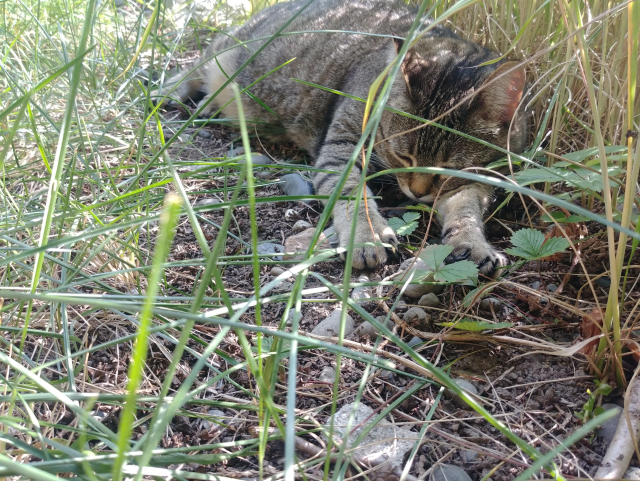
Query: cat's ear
x,y
499,99
412,67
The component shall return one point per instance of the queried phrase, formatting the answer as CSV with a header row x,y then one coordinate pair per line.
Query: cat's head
x,y
438,74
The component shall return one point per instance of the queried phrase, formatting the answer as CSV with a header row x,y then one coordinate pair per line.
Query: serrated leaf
x,y
406,225
553,246
458,271
516,251
529,240
434,255
476,326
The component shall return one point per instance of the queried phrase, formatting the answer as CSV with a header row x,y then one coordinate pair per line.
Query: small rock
x,y
448,472
608,429
297,245
485,304
536,285
401,306
301,225
414,290
332,237
414,341
633,474
368,329
331,325
283,287
204,134
634,209
206,424
207,201
470,455
294,184
97,414
256,159
543,300
429,300
604,282
328,374
361,293
236,151
291,215
385,444
552,288
271,248
455,399
276,271
414,314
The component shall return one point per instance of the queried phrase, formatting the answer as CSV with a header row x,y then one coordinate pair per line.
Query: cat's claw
x,y
370,257
483,254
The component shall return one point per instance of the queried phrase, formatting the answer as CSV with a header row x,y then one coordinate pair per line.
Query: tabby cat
x,y
438,72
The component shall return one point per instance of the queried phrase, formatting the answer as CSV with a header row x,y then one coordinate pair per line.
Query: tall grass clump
x,y
113,336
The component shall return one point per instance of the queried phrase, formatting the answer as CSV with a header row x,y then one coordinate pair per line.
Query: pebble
x,y
413,290
331,325
608,429
368,329
291,215
206,424
204,134
276,271
297,245
97,414
256,159
414,314
552,288
330,234
429,300
207,201
271,248
294,184
485,304
536,285
634,210
361,293
448,472
604,282
385,444
455,399
328,374
301,225
414,341
470,455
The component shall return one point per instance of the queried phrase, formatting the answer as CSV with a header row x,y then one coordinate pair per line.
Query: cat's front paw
x,y
480,252
371,256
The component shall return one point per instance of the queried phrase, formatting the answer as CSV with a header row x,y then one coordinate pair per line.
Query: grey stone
x,y
362,293
536,285
276,271
368,329
455,399
414,341
552,288
301,225
97,414
485,304
544,300
331,325
448,472
429,300
294,184
413,314
207,201
328,374
291,215
604,282
206,424
204,134
256,159
470,455
271,248
332,237
413,290
632,473
608,429
634,210
385,444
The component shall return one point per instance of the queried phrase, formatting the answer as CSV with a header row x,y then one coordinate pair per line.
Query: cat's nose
x,y
417,191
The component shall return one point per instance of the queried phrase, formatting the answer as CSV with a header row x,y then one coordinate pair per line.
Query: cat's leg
x,y
463,228
334,156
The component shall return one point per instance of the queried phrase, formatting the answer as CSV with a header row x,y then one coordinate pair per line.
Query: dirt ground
x,y
536,395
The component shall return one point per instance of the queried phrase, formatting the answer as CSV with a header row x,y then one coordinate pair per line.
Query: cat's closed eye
x,y
406,160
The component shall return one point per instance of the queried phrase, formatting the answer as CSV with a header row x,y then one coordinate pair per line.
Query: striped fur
x,y
437,73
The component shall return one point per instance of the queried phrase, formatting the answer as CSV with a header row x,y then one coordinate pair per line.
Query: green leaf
x,y
458,271
530,244
476,326
473,294
563,219
406,225
434,255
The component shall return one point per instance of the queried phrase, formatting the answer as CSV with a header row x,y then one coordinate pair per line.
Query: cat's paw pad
x,y
370,257
483,254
